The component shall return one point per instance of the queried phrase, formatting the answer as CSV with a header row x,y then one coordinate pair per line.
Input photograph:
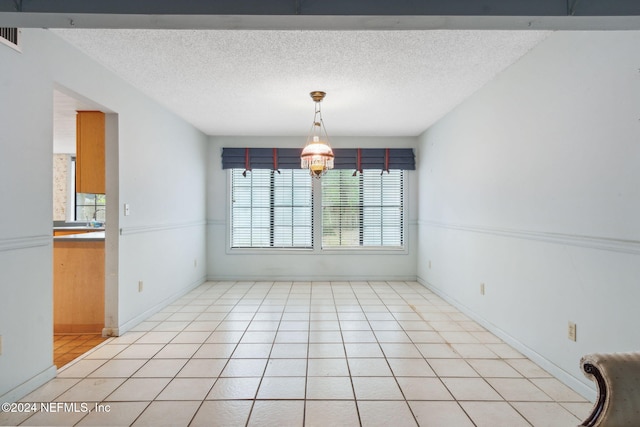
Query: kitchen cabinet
x,y
90,155
72,231
78,283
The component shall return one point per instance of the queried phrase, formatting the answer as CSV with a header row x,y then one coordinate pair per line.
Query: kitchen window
x,y
90,207
86,207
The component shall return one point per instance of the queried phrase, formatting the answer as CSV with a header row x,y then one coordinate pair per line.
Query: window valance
x,y
345,158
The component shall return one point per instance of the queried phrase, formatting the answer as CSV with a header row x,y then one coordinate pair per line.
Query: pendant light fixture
x,y
317,155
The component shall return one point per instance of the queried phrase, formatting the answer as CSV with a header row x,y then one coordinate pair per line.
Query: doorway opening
x,y
81,219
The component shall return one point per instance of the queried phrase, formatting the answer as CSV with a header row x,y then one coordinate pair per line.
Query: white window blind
x,y
363,210
271,209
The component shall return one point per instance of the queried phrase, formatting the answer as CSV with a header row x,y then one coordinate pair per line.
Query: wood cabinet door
x,y
90,156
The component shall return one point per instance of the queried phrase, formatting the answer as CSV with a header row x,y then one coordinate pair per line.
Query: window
x,y
271,209
275,210
86,207
363,210
90,207
279,209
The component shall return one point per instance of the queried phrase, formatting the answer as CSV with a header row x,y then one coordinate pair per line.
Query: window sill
x,y
311,251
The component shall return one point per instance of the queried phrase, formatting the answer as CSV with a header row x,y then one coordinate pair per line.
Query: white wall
x,y
160,169
224,264
163,180
531,186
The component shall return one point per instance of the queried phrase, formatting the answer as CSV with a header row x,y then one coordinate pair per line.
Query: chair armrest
x,y
617,376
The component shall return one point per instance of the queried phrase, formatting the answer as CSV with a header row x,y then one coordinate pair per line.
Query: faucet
x,y
95,217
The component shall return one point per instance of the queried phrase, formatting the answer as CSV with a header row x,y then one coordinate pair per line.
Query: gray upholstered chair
x,y
618,378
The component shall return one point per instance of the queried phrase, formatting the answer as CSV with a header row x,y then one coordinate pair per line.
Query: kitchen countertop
x,y
77,227
81,237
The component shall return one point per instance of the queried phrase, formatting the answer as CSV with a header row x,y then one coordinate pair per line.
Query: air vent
x,y
9,36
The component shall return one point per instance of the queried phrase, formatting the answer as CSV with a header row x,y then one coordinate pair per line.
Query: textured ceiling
x,y
257,82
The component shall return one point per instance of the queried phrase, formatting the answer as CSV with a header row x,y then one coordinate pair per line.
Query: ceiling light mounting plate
x,y
317,95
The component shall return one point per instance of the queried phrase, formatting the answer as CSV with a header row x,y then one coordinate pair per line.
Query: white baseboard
x,y
121,329
312,278
562,375
29,385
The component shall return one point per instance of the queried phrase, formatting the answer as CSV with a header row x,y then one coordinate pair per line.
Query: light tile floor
x,y
312,354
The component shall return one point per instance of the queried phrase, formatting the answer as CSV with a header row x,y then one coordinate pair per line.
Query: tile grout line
x,y
149,359
353,388
375,302
255,397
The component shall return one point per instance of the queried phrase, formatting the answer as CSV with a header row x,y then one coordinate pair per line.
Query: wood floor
x,y
68,347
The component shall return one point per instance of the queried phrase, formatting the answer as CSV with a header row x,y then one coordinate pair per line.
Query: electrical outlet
x,y
572,331
481,288
140,285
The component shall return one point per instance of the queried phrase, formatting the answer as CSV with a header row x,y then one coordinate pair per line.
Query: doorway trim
x,y
112,230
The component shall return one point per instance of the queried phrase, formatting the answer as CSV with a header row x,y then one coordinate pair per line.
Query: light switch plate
x,y
126,209
572,331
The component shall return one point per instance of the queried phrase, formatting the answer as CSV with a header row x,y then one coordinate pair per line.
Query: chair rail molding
x,y
585,241
152,228
25,242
